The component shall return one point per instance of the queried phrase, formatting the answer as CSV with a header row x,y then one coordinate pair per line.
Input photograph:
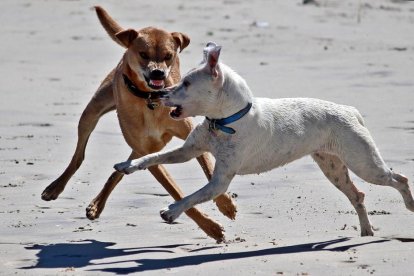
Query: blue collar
x,y
219,124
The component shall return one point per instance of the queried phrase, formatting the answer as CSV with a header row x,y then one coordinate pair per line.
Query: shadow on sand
x,y
80,254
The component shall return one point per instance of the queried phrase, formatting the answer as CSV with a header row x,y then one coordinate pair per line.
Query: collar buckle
x,y
152,105
212,125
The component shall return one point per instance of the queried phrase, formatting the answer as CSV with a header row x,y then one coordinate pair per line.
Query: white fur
x,y
273,133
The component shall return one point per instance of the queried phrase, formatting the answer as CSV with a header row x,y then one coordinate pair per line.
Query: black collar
x,y
149,96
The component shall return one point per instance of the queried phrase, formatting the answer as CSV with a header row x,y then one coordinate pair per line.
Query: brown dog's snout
x,y
157,74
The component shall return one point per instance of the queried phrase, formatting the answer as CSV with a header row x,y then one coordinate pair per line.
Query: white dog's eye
x,y
186,83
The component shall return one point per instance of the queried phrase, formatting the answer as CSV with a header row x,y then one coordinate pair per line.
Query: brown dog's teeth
x,y
158,83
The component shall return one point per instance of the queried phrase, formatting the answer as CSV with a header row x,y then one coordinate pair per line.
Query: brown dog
x,y
150,63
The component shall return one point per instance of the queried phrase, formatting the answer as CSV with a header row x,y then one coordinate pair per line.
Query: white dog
x,y
252,135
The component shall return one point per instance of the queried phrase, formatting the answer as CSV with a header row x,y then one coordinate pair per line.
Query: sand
x,y
290,221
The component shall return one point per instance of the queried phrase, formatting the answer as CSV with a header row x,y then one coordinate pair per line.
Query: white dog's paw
x,y
123,166
169,214
130,166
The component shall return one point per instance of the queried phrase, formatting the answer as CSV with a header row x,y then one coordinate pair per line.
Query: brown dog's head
x,y
151,54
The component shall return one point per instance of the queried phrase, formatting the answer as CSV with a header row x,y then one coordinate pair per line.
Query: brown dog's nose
x,y
157,74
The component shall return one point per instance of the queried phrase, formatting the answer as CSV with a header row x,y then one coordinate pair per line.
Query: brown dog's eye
x,y
168,57
186,83
144,55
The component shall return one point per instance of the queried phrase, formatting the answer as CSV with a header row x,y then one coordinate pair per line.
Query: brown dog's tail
x,y
109,24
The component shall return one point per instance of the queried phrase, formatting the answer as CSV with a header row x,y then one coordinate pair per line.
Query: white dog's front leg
x,y
142,163
217,186
178,155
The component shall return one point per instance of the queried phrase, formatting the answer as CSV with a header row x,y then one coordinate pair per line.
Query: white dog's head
x,y
198,93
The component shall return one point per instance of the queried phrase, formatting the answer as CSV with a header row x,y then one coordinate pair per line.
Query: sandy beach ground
x,y
290,221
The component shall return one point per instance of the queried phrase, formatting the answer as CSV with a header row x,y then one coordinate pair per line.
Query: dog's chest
x,y
143,127
263,153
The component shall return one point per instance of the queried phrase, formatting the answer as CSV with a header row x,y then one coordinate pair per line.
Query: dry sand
x,y
291,221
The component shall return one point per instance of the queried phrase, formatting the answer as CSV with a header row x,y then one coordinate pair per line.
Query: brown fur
x,y
144,130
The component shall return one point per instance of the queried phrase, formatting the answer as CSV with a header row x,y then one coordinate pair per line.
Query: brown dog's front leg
x,y
101,103
224,202
95,208
209,226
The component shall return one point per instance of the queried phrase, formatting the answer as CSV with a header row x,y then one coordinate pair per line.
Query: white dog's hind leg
x,y
359,153
337,173
400,182
395,180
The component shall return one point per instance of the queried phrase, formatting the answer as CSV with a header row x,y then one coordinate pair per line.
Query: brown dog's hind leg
x,y
224,202
209,226
336,171
101,103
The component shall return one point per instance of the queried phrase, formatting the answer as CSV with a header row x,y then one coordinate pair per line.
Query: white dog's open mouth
x,y
177,111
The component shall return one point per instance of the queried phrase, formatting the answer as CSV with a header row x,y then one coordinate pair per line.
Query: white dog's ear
x,y
206,50
211,56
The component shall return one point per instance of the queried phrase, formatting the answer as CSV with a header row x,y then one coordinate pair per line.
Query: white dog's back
x,y
284,130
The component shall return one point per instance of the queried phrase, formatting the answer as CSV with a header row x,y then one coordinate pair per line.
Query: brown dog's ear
x,y
126,37
181,39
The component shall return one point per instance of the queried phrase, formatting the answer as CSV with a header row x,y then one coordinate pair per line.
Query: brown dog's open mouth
x,y
155,84
177,111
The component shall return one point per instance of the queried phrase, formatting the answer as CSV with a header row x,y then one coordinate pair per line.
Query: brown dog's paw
x,y
214,230
226,206
52,191
94,210
210,227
